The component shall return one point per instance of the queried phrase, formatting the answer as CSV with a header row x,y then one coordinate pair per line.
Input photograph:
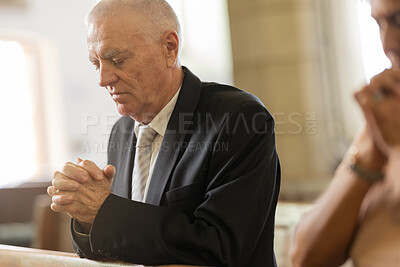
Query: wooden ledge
x,y
11,256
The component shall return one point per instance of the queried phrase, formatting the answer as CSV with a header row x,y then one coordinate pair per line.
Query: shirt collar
x,y
160,121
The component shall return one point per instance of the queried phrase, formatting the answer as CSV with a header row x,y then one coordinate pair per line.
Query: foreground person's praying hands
x,y
380,102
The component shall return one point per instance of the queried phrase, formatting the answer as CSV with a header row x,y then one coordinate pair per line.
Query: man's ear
x,y
171,42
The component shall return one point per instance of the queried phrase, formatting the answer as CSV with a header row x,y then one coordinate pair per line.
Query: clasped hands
x,y
380,103
80,189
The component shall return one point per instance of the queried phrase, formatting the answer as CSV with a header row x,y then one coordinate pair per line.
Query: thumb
x,y
109,172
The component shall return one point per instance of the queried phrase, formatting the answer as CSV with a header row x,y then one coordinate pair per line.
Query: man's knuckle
x,y
77,173
84,177
55,207
87,163
67,166
63,200
83,172
58,183
55,199
76,186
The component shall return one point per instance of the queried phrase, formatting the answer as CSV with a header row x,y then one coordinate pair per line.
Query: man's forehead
x,y
120,15
117,31
112,31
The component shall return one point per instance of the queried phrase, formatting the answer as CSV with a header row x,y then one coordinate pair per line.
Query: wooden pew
x,y
11,256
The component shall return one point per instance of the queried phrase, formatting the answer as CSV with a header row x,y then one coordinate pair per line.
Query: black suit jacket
x,y
214,189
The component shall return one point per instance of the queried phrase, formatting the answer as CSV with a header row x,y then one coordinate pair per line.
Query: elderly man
x,y
358,216
193,174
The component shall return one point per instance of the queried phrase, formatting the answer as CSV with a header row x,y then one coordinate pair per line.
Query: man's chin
x,y
395,60
123,110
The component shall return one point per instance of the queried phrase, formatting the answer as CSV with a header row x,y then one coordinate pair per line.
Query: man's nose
x,y
107,76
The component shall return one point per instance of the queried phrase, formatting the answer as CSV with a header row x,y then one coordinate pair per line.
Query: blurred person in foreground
x,y
193,174
358,217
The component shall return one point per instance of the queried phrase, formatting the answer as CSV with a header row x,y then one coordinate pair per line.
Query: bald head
x,y
134,45
158,15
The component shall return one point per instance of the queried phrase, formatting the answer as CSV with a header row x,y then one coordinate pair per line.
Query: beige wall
x,y
277,58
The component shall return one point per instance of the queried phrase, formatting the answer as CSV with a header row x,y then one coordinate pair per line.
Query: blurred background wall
x,y
303,58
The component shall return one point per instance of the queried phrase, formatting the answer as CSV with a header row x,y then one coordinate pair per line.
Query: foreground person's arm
x,y
324,235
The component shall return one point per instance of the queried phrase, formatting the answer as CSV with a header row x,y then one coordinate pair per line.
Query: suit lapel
x,y
122,183
174,136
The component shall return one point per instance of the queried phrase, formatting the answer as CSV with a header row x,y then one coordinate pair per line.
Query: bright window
x,y
18,155
206,46
374,58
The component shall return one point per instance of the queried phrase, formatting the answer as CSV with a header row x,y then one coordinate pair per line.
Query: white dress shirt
x,y
159,124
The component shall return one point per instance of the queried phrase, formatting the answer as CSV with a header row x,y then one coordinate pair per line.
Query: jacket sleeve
x,y
81,244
